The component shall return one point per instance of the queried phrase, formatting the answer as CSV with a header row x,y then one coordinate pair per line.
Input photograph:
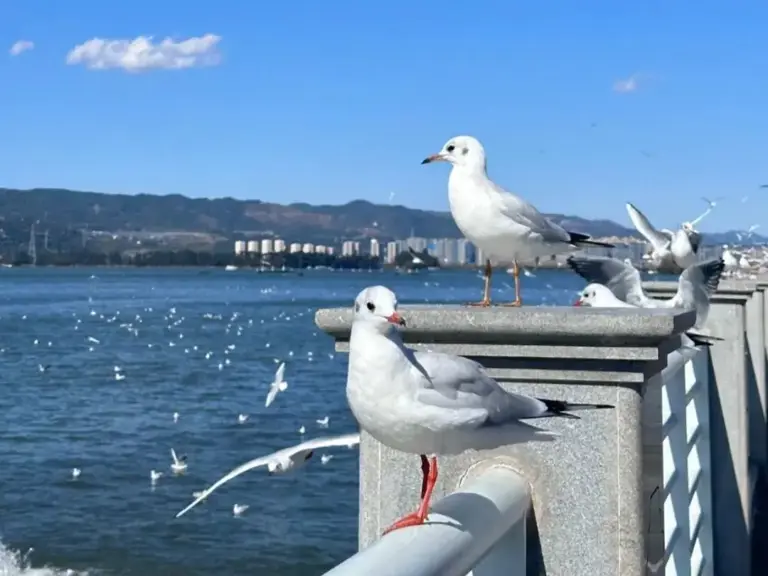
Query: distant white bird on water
x,y
280,462
242,418
175,417
278,385
154,476
325,458
76,473
503,225
323,422
302,430
238,509
431,403
179,465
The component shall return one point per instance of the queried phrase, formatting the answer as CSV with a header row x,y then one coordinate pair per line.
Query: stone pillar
x,y
587,486
737,428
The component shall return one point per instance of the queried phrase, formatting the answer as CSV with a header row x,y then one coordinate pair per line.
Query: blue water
x,y
157,326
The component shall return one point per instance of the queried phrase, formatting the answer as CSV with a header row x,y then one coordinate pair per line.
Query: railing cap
x,y
527,325
736,287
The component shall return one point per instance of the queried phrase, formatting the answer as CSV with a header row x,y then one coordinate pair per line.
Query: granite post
x,y
588,487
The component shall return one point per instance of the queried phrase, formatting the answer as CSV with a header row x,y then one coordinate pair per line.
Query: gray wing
x,y
619,277
696,285
643,225
460,384
527,215
695,239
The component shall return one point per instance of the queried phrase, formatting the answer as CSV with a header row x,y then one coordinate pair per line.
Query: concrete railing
x,y
678,411
738,436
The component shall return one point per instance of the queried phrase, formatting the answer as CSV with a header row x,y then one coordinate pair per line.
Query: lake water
x,y
205,344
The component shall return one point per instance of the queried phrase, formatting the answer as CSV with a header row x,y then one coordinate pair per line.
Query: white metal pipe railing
x,y
686,486
479,529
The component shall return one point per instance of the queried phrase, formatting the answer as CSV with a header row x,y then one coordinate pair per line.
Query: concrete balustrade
x,y
590,487
737,413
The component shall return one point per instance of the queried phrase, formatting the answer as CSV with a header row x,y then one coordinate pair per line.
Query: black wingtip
x,y
578,239
563,409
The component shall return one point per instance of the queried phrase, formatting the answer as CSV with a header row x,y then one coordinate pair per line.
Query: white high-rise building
x,y
279,245
240,247
375,248
350,248
320,249
308,248
253,246
294,248
267,246
462,251
392,252
330,250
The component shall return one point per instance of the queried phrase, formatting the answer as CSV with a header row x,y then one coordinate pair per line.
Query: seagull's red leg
x,y
418,517
486,301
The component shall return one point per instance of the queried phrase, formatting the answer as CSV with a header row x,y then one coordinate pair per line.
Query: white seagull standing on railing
x,y
506,227
279,462
429,403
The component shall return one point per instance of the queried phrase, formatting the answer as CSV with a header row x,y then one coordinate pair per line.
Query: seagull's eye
x,y
450,148
370,306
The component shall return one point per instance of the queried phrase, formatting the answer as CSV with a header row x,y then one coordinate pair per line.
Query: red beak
x,y
577,303
396,319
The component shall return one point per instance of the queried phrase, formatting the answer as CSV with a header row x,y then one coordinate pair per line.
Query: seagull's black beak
x,y
395,318
433,158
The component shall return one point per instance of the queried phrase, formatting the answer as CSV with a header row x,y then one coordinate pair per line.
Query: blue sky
x,y
325,102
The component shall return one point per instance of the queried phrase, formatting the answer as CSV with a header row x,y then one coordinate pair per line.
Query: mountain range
x,y
176,219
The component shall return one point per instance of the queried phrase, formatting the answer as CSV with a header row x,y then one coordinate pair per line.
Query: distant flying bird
x,y
278,385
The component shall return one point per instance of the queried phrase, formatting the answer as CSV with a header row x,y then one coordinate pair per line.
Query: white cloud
x,y
21,46
627,85
142,54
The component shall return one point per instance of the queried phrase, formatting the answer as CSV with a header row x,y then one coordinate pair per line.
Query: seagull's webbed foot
x,y
429,479
482,304
414,519
514,304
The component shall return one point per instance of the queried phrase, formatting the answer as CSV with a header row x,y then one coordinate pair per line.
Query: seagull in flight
x,y
279,462
278,385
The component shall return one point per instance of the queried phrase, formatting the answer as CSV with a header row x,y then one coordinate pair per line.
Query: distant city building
x,y
308,248
294,247
320,249
240,247
375,250
417,244
462,251
350,248
330,250
267,246
479,257
392,252
253,246
279,245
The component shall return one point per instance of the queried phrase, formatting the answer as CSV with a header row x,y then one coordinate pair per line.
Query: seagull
x,y
504,226
242,418
696,285
325,458
238,509
154,476
302,430
76,473
280,462
175,417
415,256
179,465
431,403
678,248
278,385
323,422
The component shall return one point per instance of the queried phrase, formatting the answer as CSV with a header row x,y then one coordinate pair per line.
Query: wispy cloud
x,y
627,85
142,53
21,46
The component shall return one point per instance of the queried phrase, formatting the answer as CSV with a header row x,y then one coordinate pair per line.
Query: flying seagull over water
x,y
678,248
279,462
430,403
503,225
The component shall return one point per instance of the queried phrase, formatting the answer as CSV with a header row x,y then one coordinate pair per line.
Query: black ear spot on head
x,y
464,151
357,306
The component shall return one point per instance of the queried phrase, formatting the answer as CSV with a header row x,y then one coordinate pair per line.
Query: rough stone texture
x,y
588,491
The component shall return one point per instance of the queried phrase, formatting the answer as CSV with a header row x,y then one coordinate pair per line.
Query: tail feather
x,y
561,409
578,239
702,339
